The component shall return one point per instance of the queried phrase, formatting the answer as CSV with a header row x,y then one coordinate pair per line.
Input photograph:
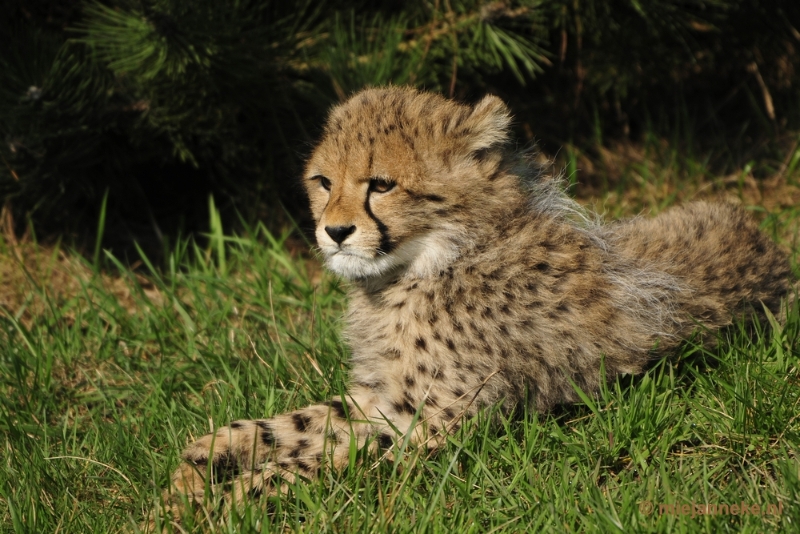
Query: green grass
x,y
101,387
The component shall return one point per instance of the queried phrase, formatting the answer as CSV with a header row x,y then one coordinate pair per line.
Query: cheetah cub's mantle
x,y
475,281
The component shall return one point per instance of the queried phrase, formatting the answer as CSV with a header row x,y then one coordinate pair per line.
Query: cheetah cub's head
x,y
395,180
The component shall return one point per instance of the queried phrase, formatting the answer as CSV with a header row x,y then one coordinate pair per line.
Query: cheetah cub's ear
x,y
487,125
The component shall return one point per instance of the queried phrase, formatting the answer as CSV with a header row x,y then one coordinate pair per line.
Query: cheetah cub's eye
x,y
380,185
323,181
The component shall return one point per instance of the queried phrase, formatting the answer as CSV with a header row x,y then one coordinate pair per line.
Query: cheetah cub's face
x,y
393,179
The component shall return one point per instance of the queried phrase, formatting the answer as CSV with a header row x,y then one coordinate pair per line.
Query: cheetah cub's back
x,y
476,281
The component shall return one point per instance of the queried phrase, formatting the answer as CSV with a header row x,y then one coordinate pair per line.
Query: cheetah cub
x,y
475,281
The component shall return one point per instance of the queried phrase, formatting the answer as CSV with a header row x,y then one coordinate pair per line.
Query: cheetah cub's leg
x,y
250,458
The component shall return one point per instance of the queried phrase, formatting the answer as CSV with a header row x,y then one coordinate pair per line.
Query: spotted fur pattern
x,y
474,281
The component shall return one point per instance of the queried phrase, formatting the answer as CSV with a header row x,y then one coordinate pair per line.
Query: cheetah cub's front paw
x,y
224,462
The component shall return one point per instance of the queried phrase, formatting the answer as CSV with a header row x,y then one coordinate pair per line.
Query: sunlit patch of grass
x,y
625,178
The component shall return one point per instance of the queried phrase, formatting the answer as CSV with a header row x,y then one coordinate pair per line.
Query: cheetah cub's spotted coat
x,y
475,281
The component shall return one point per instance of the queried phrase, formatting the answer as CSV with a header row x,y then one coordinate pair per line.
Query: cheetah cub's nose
x,y
339,233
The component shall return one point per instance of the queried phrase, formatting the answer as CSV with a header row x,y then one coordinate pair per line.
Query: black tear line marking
x,y
386,245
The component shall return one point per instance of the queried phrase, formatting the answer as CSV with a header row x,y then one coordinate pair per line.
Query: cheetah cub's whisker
x,y
475,281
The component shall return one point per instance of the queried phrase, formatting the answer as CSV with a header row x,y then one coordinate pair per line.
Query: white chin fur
x,y
421,256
